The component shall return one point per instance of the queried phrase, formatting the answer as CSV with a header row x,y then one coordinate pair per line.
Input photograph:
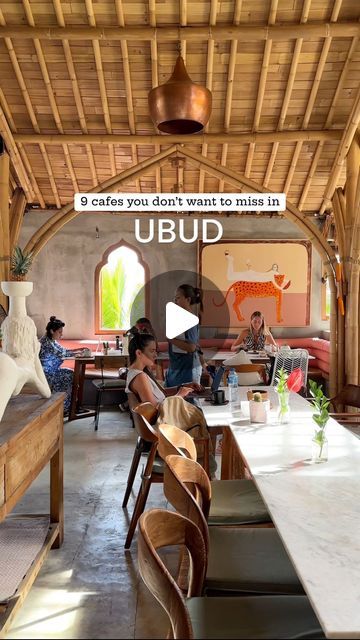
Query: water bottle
x,y
233,386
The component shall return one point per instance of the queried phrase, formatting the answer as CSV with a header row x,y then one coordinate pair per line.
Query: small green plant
x,y
321,415
20,263
257,397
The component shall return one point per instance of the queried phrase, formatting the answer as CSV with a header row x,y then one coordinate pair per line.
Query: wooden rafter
x,y
344,146
220,33
128,87
313,94
4,222
209,80
75,88
154,80
329,119
101,81
288,91
30,109
261,88
199,138
229,88
50,92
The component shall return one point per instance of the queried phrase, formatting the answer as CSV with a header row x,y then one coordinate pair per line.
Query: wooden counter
x,y
31,435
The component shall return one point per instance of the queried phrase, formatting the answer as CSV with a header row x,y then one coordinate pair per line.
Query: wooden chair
x,y
145,416
198,617
112,384
259,369
239,560
349,396
234,502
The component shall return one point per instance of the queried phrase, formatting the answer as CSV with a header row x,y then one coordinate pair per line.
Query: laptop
x,y
208,391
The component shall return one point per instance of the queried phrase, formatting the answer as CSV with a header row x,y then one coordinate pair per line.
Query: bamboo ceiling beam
x,y
194,138
209,82
344,146
313,94
75,89
17,210
155,80
101,81
261,88
288,91
50,92
220,33
128,87
229,90
67,213
7,135
329,119
30,109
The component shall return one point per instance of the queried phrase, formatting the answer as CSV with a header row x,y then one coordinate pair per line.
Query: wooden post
x,y
4,222
352,241
17,208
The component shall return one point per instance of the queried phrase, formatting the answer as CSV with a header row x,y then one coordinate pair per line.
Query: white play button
x,y
178,320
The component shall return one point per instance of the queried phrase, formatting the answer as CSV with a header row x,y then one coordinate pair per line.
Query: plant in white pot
x,y
19,360
258,409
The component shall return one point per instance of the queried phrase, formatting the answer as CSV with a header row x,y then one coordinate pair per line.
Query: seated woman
x,y
256,336
51,357
169,401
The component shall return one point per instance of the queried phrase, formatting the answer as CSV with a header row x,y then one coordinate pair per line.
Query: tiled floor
x,y
90,587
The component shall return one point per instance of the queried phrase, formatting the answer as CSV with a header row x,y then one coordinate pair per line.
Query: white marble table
x,y
315,508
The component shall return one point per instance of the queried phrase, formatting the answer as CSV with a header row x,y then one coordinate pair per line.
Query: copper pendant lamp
x,y
180,106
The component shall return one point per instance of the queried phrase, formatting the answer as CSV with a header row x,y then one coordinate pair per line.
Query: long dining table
x,y
315,507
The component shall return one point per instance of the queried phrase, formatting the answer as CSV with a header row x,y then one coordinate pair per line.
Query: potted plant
x,y
320,416
20,264
17,288
258,409
286,383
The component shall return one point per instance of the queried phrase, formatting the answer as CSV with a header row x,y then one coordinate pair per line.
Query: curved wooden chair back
x,y
159,528
249,368
188,489
175,441
145,415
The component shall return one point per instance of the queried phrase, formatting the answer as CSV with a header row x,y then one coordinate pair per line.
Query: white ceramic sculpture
x,y
19,359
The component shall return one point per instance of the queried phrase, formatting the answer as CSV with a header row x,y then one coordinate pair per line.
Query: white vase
x,y
19,361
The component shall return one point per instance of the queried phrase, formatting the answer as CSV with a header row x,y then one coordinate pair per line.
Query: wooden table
x,y
315,508
76,412
31,435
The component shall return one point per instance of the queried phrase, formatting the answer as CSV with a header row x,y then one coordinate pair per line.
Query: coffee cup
x,y
218,397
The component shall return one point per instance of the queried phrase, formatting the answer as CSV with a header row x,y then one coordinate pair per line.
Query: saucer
x,y
219,404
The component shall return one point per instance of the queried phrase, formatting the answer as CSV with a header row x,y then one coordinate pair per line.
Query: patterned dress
x,y
51,357
255,343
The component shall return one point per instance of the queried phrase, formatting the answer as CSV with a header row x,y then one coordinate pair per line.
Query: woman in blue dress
x,y
184,358
51,357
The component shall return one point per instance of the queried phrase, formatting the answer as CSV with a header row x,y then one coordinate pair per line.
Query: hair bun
x,y
52,318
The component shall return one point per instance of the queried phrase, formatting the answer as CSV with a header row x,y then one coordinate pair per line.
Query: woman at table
x,y
52,355
184,351
168,401
256,336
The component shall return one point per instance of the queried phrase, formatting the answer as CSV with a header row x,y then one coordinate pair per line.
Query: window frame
x,y
97,294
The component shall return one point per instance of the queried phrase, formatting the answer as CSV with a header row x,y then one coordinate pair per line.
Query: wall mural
x,y
272,276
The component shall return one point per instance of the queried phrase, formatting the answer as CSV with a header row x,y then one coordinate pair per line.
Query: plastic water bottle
x,y
233,385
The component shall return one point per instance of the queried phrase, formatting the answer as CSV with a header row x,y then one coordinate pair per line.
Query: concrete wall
x,y
63,272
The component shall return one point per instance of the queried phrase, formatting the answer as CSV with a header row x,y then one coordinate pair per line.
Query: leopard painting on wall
x,y
272,276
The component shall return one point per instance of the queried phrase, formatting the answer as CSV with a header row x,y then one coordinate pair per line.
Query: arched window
x,y
119,285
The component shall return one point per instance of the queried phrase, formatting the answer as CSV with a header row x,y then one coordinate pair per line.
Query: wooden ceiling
x,y
85,67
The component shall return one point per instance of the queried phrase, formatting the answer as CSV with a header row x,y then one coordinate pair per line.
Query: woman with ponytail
x,y
184,351
51,357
